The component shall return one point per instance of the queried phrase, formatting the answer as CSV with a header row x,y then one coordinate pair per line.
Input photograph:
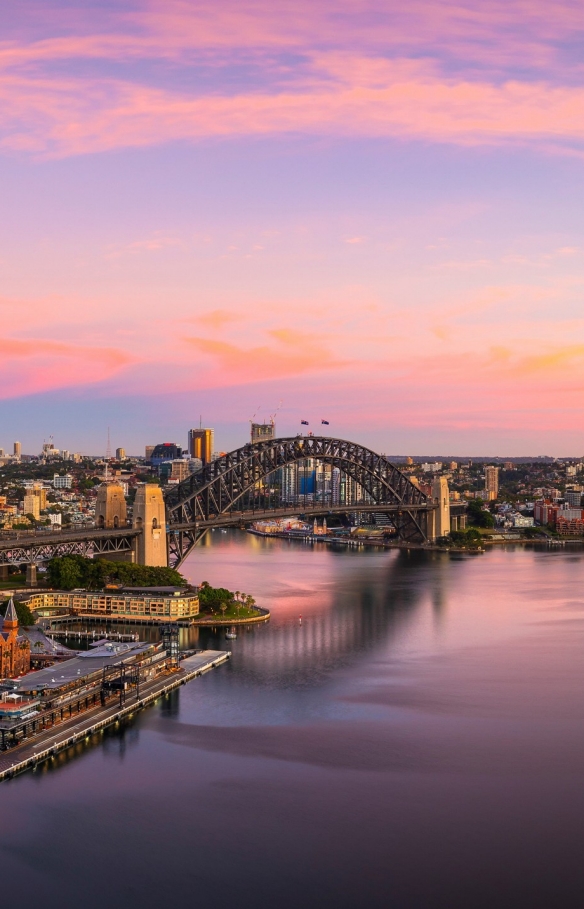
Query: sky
x,y
368,212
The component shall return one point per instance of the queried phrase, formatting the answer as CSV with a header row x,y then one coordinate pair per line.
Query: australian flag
x,y
325,422
304,422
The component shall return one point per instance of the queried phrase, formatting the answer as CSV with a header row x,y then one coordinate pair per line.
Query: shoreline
x,y
212,621
355,542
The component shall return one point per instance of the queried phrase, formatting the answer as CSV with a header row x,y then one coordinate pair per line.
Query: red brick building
x,y
14,648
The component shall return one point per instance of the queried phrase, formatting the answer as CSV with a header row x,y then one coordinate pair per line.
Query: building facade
x,y
491,483
14,648
263,432
163,604
202,444
62,481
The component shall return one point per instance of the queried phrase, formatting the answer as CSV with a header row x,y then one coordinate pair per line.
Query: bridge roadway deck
x,y
25,538
49,742
313,510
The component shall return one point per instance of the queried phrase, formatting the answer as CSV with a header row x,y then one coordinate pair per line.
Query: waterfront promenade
x,y
45,746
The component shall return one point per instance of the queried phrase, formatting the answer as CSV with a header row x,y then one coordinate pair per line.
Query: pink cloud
x,y
294,353
39,365
361,70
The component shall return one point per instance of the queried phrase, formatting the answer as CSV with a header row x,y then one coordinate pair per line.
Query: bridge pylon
x,y
150,518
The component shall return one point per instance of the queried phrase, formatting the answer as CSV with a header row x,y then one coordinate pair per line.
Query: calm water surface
x,y
418,741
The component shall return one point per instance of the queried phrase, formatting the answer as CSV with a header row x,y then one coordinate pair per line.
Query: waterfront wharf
x,y
95,636
49,742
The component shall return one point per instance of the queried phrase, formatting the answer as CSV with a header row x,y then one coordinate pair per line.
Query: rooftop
x,y
94,660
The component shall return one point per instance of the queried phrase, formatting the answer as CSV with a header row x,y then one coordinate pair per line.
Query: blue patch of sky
x,y
205,72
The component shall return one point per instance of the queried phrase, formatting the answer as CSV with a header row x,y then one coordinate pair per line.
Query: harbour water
x,y
416,739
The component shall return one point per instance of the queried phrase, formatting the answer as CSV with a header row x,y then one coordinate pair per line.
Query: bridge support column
x,y
150,518
3,572
441,516
31,575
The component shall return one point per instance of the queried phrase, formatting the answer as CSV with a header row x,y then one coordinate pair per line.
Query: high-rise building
x,y
202,444
120,454
32,505
263,432
17,450
574,496
148,451
165,451
491,482
175,471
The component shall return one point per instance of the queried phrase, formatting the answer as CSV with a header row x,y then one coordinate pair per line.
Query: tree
x,y
223,608
65,572
25,616
68,572
478,516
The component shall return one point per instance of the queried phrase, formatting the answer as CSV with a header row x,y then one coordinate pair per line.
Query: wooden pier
x,y
45,746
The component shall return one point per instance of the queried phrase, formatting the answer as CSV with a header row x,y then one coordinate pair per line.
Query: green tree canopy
x,y
68,572
25,616
478,516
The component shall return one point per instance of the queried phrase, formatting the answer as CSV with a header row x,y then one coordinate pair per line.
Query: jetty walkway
x,y
49,742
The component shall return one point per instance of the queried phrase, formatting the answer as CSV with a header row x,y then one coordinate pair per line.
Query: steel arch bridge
x,y
219,495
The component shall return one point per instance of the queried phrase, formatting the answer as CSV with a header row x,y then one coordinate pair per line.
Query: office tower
x,y
148,451
491,483
263,432
39,490
120,454
66,455
17,450
202,444
32,505
165,451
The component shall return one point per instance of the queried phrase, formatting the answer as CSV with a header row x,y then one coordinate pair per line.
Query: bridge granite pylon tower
x,y
150,517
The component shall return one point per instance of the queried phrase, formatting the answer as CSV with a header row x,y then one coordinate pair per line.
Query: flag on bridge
x,y
325,422
304,422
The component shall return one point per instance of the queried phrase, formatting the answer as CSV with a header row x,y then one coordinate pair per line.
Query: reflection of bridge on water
x,y
375,599
242,486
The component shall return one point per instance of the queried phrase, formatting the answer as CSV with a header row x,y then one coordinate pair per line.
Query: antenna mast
x,y
108,455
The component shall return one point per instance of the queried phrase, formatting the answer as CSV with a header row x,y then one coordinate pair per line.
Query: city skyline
x,y
371,215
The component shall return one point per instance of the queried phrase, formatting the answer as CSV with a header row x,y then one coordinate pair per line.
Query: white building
x,y
62,482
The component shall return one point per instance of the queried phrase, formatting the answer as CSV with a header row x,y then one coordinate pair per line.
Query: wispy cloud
x,y
30,366
293,354
434,72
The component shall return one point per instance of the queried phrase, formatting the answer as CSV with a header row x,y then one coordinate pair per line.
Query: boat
x,y
231,635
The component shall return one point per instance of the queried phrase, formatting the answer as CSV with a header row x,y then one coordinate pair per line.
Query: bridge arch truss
x,y
214,496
